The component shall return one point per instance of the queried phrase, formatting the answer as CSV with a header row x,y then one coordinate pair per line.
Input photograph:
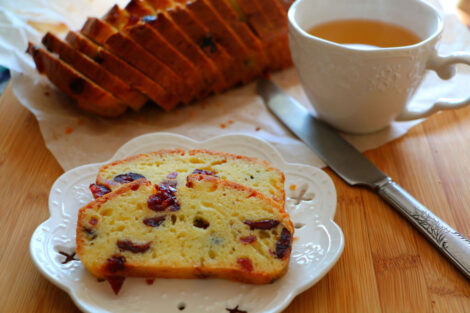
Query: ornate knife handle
x,y
450,242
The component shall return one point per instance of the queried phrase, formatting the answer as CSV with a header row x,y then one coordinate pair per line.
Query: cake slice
x,y
128,50
242,30
122,69
201,35
246,61
268,34
155,167
178,39
88,96
153,13
158,46
206,227
278,20
94,71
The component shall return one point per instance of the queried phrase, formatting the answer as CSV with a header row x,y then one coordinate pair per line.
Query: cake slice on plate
x,y
178,163
205,227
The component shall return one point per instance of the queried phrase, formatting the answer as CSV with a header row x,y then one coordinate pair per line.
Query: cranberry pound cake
x,y
178,164
165,52
184,226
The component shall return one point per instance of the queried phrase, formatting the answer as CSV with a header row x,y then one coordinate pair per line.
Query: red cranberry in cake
x,y
154,221
132,246
248,239
164,198
245,264
116,283
262,224
115,263
127,178
204,172
283,245
172,175
99,190
199,222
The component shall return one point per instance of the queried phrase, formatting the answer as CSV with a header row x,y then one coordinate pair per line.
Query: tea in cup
x,y
361,61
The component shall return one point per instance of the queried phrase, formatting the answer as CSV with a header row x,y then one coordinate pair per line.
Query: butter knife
x,y
356,169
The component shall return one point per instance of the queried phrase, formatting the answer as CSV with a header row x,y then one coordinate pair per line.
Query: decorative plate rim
x,y
336,242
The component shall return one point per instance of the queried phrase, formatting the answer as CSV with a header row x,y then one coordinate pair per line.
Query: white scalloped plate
x,y
317,246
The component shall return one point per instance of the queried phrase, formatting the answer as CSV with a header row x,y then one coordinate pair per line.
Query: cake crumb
x,y
68,130
258,129
223,125
292,187
230,122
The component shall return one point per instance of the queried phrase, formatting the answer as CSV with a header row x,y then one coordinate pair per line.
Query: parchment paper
x,y
77,138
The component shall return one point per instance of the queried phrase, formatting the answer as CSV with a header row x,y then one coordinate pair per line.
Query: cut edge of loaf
x,y
94,71
87,95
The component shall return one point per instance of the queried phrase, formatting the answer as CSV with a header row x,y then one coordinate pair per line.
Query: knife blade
x,y
354,168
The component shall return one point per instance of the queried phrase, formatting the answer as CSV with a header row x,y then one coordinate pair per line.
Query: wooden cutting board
x,y
386,265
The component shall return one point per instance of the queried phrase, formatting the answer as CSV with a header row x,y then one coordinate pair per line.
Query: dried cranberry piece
x,y
115,263
248,239
189,183
164,198
204,172
261,224
77,85
127,177
172,175
283,244
99,190
207,43
149,281
159,201
90,232
169,184
116,283
199,222
246,264
93,221
133,247
154,221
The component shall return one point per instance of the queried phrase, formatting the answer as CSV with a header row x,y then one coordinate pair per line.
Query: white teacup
x,y
362,91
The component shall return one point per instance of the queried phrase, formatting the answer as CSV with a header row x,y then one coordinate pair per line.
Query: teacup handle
x,y
444,66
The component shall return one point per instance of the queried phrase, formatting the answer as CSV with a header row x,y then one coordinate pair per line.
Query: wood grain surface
x,y
386,265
